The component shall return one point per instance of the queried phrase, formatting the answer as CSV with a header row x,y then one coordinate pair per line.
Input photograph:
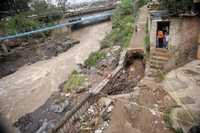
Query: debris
x,y
104,102
98,131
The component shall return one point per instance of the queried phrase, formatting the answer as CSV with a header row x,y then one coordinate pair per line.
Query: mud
x,y
127,79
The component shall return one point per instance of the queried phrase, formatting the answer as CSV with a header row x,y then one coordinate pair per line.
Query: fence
x,y
70,122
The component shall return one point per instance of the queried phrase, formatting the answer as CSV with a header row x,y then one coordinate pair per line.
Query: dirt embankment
x,y
29,51
28,88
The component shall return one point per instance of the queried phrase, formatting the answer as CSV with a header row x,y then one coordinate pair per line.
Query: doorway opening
x,y
162,37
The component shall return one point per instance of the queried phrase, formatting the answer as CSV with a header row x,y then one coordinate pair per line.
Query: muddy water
x,y
28,88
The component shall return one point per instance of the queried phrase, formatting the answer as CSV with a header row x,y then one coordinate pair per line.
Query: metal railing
x,y
83,19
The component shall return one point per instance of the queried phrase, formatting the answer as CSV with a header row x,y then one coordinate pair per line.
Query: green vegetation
x,y
75,80
142,2
167,118
122,22
19,23
162,75
177,6
147,40
27,18
94,58
168,121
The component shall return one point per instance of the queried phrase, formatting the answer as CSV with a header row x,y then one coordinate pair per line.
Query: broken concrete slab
x,y
183,86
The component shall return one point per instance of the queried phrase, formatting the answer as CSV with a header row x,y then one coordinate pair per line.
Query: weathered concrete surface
x,y
28,88
142,111
137,41
183,85
183,39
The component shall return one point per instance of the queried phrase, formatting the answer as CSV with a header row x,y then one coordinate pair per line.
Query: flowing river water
x,y
28,88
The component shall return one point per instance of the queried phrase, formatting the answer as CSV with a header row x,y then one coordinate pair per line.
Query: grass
x,y
168,121
167,118
147,41
122,26
161,75
94,58
75,80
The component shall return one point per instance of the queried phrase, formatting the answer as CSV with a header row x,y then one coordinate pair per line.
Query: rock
x,y
108,54
105,124
98,131
46,126
104,102
91,110
110,108
187,100
67,94
81,90
106,115
115,49
153,112
43,127
58,108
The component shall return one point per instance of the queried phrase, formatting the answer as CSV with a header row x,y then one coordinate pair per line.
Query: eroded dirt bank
x,y
31,86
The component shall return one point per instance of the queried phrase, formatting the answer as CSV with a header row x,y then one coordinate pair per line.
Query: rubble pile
x,y
97,117
126,79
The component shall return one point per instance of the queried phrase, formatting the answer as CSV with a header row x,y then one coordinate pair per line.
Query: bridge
x,y
69,22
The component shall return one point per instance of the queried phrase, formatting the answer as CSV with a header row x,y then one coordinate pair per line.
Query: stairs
x,y
158,59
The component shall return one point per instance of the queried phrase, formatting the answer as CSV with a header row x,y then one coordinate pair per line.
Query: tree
x,y
39,6
64,4
22,5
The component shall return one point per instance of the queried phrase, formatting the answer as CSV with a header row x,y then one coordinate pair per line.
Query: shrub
x,y
75,80
122,24
147,40
20,23
94,58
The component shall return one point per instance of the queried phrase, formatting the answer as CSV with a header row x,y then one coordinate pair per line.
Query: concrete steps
x,y
158,58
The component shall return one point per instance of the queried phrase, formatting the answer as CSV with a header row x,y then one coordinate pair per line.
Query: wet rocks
x,y
46,126
24,123
58,108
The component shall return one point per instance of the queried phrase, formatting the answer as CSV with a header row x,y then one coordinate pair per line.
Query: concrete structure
x,y
183,36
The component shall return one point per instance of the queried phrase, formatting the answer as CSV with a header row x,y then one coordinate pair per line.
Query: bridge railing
x,y
56,26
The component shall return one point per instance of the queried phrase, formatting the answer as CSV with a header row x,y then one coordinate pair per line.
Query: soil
x,y
127,79
141,114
